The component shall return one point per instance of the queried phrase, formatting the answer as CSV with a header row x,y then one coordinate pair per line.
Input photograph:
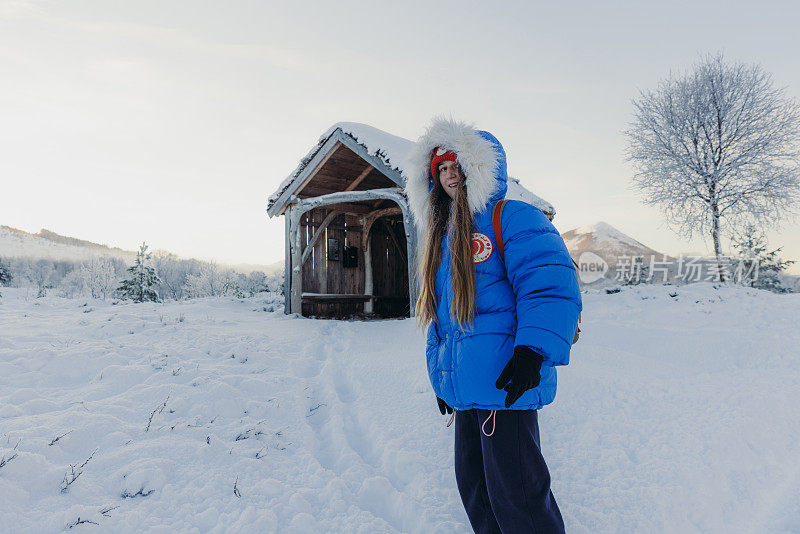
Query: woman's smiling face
x,y
449,177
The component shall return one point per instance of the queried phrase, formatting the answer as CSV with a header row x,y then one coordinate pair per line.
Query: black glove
x,y
443,407
521,373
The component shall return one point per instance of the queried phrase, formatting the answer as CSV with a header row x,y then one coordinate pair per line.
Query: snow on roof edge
x,y
300,166
392,150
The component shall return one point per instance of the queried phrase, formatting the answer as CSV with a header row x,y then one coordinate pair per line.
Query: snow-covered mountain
x,y
605,255
49,245
605,241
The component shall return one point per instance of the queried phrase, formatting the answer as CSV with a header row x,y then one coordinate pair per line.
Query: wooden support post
x,y
367,272
411,244
296,259
287,266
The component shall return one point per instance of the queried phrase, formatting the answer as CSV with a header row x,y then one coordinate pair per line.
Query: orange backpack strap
x,y
497,219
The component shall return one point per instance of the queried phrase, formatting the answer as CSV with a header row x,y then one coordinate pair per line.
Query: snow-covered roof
x,y
390,149
393,151
517,191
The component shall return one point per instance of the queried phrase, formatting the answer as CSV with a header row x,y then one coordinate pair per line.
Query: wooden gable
x,y
340,164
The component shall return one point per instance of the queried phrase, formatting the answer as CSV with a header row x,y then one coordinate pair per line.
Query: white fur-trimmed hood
x,y
479,154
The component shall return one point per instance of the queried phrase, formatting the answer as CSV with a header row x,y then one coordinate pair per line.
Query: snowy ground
x,y
677,414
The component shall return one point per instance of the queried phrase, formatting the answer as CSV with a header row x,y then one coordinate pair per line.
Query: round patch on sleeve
x,y
481,247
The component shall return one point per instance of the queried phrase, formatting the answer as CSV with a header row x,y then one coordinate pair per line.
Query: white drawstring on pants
x,y
492,416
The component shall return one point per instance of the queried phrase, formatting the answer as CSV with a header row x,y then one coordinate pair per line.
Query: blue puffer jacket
x,y
531,299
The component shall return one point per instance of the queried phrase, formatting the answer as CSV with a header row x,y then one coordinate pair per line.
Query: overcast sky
x,y
173,121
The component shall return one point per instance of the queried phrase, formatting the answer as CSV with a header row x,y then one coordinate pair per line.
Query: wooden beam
x,y
361,177
281,203
319,231
372,159
355,209
392,210
327,297
370,219
391,193
317,167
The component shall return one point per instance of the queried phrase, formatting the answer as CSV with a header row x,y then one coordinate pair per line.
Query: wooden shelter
x,y
351,245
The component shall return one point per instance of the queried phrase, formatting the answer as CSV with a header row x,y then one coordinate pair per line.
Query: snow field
x,y
272,403
676,414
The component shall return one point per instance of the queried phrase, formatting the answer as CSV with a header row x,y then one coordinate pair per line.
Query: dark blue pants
x,y
503,479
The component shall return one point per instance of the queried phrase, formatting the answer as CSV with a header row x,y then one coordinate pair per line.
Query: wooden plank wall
x,y
323,276
335,275
320,283
354,278
311,281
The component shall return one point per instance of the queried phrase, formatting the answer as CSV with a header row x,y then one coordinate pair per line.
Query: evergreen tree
x,y
142,278
757,267
640,273
5,274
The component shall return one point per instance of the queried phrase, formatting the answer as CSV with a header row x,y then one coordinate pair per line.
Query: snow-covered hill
x,y
50,245
677,413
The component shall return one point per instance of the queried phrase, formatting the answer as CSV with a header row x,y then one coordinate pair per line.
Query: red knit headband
x,y
440,155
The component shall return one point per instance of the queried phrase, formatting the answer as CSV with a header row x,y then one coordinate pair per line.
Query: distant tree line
x,y
162,273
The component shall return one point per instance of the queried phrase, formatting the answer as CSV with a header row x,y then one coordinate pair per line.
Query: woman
x,y
497,326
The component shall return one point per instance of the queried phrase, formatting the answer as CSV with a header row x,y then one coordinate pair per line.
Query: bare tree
x,y
716,144
213,281
41,274
172,272
100,277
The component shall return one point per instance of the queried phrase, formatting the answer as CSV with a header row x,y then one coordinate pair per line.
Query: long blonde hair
x,y
455,215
